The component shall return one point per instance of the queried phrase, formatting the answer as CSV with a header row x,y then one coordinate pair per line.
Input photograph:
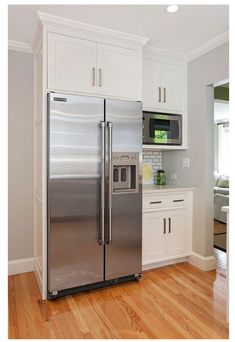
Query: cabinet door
x,y
172,87
118,72
152,82
154,238
71,64
177,232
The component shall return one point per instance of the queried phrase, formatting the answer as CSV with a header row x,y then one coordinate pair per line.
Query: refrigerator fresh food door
x,y
75,256
123,247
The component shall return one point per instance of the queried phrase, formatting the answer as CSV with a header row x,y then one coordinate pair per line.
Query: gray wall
x,y
20,162
206,70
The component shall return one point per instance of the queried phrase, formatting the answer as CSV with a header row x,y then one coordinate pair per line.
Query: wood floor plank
x,y
195,305
173,302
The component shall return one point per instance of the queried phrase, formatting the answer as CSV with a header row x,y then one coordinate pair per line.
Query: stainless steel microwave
x,y
162,129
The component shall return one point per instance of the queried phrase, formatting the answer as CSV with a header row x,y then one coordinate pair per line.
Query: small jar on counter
x,y
160,178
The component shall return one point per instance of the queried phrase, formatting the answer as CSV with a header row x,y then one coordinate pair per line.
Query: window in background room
x,y
221,137
223,148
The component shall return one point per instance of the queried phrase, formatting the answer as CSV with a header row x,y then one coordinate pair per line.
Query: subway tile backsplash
x,y
154,158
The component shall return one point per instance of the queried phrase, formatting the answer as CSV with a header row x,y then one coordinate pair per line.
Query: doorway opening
x,y
221,172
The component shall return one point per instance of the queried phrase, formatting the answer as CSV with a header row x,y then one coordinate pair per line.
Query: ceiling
x,y
182,32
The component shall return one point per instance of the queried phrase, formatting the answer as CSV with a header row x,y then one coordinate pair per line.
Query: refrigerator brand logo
x,y
60,99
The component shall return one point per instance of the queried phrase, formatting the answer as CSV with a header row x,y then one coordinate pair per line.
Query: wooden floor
x,y
221,262
177,301
219,227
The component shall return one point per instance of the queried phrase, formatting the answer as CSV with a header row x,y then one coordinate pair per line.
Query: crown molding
x,y
210,45
150,51
77,26
19,46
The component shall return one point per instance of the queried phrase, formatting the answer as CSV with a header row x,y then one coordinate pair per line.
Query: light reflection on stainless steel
x,y
123,256
75,256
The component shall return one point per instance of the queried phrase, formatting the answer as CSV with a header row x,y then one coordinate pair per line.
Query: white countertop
x,y
151,188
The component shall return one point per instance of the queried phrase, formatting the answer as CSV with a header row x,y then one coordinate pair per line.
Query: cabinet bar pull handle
x,y
164,231
159,94
156,202
93,76
179,200
100,77
169,231
164,95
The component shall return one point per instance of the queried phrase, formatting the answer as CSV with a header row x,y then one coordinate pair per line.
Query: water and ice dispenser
x,y
125,172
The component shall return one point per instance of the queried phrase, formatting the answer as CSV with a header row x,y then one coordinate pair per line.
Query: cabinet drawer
x,y
153,202
178,200
163,201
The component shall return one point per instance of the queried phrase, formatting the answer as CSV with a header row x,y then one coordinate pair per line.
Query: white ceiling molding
x,y
210,45
69,24
19,46
153,52
148,51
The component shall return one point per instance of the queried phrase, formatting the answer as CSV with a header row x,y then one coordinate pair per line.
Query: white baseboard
x,y
17,266
204,263
163,263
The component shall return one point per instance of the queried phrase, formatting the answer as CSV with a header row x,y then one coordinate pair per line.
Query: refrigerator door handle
x,y
110,180
102,238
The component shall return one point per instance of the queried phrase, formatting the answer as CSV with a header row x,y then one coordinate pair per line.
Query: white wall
x,y
203,71
20,121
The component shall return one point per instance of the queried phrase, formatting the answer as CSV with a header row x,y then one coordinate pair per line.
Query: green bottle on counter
x,y
160,178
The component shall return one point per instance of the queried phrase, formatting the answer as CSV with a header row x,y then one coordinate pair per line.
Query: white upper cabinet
x,y
117,71
162,86
83,66
172,80
71,64
152,82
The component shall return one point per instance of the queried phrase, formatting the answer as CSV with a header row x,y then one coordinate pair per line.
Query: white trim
x,y
17,266
19,46
221,101
204,263
146,267
38,275
152,51
52,20
221,83
210,45
141,41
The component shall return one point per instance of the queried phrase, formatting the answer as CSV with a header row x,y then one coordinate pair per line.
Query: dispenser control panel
x,y
125,172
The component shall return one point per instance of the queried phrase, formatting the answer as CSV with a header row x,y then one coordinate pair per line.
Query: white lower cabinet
x,y
153,243
166,229
177,232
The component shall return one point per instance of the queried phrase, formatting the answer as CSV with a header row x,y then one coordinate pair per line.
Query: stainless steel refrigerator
x,y
94,192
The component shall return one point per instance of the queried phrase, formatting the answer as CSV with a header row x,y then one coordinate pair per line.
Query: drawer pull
x,y
180,200
164,230
157,202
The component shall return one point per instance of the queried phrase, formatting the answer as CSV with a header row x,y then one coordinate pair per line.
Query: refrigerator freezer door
x,y
124,237
74,148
